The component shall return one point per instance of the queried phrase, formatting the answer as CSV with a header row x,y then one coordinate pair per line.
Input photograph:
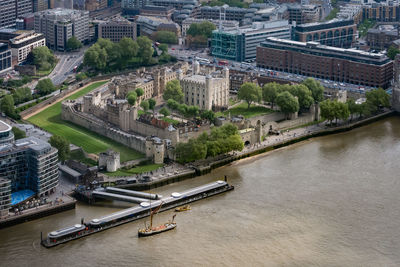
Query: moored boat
x,y
183,208
150,230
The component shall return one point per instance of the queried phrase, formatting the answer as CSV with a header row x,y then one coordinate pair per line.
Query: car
x,y
341,84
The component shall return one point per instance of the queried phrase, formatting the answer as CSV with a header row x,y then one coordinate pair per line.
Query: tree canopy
x,y
164,111
270,92
73,43
7,106
131,97
145,105
45,87
317,90
43,58
62,144
249,92
152,103
377,99
22,95
145,49
392,52
204,29
221,140
166,37
287,103
173,91
18,133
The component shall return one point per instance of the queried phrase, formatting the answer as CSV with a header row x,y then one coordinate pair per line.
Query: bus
x,y
223,63
203,60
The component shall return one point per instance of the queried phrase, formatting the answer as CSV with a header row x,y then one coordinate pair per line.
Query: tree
x,y
269,92
317,90
166,37
152,104
7,106
392,52
192,111
62,145
96,56
377,99
191,151
303,95
18,133
172,104
353,107
204,28
22,95
131,96
145,105
132,99
139,92
128,49
163,48
208,115
287,103
73,43
81,76
43,58
145,49
173,91
250,92
45,87
164,111
328,110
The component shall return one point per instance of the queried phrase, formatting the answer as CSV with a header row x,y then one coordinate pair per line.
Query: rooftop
x,y
4,127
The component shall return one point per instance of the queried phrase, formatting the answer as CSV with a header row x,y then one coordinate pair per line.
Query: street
x,y
67,62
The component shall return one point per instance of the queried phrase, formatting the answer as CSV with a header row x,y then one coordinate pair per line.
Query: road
x,y
188,55
67,62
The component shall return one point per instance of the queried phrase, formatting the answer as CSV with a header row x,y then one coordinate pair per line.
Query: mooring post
x,y
82,221
226,179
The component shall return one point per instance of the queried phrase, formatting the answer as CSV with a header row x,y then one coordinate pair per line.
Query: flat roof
x,y
4,127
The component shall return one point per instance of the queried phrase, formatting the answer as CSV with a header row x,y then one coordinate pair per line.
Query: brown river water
x,y
329,201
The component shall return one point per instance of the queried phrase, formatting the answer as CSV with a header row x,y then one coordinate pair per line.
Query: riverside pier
x,y
143,210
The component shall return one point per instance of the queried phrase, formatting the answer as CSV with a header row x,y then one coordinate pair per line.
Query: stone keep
x,y
110,160
155,149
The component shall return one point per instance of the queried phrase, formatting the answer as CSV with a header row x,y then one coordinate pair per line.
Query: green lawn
x,y
135,170
50,120
169,120
242,109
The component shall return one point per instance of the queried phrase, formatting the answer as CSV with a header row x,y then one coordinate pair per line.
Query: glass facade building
x,y
28,163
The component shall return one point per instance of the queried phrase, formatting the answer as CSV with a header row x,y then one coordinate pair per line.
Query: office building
x,y
115,30
148,26
326,62
382,12
10,10
40,5
338,33
177,4
5,58
24,43
25,164
240,44
303,13
126,4
58,25
382,37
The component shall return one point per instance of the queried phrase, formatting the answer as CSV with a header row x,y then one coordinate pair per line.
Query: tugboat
x,y
150,230
183,208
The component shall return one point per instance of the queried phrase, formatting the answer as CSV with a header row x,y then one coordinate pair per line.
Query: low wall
x,y
301,120
52,99
136,142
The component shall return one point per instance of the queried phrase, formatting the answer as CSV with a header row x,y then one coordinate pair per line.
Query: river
x,y
329,201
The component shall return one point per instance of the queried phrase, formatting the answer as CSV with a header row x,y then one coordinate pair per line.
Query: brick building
x,y
339,33
325,62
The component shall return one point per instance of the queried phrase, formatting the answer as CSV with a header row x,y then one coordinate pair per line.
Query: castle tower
x,y
396,84
196,67
209,92
179,74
